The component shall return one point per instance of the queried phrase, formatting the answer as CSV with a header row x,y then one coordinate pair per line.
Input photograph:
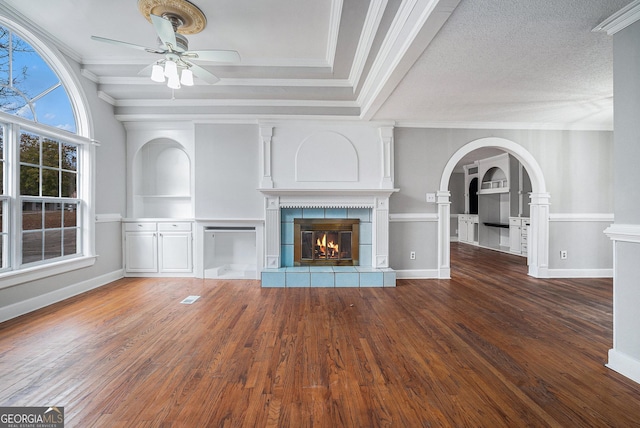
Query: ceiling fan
x,y
171,20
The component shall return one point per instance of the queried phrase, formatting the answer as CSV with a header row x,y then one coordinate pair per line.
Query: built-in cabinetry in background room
x,y
496,205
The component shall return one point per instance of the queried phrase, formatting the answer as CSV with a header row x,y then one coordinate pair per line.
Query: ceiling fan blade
x,y
147,70
203,74
165,31
128,45
213,55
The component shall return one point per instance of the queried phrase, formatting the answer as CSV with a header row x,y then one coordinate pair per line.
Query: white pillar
x,y
266,134
444,235
272,232
380,235
538,237
386,135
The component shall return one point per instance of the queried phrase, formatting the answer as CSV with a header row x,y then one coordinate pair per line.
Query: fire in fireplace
x,y
326,242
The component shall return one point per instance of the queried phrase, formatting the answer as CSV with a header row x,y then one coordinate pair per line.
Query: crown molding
x,y
620,20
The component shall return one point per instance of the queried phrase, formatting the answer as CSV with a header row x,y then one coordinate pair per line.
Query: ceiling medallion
x,y
189,18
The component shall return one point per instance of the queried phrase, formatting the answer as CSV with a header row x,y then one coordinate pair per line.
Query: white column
x,y
380,232
272,232
386,136
538,237
444,236
266,134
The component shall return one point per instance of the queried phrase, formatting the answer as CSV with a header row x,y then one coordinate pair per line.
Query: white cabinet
x,y
158,248
518,234
468,228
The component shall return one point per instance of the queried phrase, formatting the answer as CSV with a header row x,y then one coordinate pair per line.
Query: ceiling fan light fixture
x,y
174,82
170,69
157,73
186,77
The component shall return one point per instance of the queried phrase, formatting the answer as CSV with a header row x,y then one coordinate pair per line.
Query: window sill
x,y
12,278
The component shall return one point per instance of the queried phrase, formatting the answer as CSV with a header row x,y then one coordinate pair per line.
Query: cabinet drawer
x,y
514,221
174,226
139,227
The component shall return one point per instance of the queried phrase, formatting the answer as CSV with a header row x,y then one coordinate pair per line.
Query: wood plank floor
x,y
491,347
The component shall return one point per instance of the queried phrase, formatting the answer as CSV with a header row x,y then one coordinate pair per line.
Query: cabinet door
x,y
141,252
471,232
462,230
514,239
176,252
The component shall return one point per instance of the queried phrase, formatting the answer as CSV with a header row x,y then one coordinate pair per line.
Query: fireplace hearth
x,y
326,242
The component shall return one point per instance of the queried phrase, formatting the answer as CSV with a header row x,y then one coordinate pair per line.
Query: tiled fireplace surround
x,y
370,207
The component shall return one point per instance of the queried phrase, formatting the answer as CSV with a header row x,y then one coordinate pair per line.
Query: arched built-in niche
x,y
538,255
162,180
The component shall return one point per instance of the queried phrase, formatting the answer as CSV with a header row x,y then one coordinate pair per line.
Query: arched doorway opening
x,y
538,253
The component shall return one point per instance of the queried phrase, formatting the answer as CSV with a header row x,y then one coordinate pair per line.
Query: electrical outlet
x,y
412,255
563,254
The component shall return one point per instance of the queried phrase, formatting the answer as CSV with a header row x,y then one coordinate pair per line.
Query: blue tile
x,y
389,278
364,214
344,269
371,279
347,279
298,279
298,269
273,279
365,255
288,214
322,279
286,233
335,213
321,269
365,233
313,213
286,255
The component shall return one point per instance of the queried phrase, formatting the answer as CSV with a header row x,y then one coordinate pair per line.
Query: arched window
x,y
43,201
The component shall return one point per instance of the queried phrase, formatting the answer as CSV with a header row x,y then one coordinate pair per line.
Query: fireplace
x,y
326,242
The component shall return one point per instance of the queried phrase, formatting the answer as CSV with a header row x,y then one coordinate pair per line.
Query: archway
x,y
538,255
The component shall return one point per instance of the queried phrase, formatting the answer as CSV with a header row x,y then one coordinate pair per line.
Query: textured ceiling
x,y
485,63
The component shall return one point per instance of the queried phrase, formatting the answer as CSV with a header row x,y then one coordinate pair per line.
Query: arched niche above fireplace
x,y
326,157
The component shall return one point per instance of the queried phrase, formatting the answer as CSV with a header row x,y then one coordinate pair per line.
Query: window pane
x,y
13,102
31,215
50,153
70,215
1,216
52,215
29,180
70,241
54,109
69,185
31,74
29,148
31,247
69,157
4,43
52,244
50,182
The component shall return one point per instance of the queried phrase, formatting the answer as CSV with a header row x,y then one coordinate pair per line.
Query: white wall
x,y
624,357
227,172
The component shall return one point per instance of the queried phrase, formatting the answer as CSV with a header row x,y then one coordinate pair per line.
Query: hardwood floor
x,y
491,347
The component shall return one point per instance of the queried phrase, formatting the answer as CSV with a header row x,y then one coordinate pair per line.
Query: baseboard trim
x,y
624,364
579,273
417,274
24,307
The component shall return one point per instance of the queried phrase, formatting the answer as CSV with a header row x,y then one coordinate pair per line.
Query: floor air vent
x,y
190,299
